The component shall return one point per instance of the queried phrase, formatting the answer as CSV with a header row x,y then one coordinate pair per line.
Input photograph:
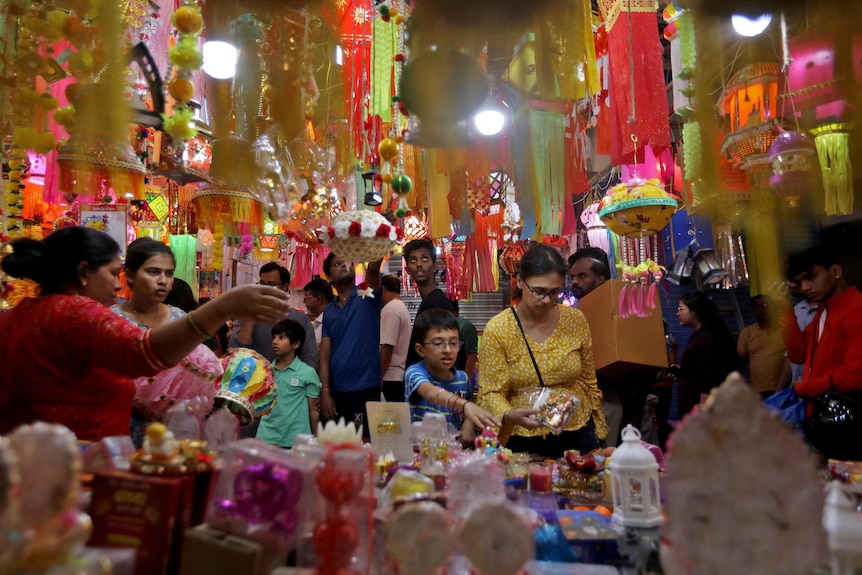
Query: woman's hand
x,y
327,406
522,417
256,303
479,417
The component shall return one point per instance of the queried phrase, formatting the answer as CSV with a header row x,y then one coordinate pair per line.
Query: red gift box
x,y
143,512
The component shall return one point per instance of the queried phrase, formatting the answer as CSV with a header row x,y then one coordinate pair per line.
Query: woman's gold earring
x,y
84,283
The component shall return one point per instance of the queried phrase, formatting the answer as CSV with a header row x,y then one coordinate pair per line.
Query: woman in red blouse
x,y
66,358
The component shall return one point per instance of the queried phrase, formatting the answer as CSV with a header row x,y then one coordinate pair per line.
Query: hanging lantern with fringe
x,y
229,197
93,161
636,211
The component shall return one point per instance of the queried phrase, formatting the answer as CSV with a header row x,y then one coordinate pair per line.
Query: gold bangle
x,y
438,395
505,419
196,327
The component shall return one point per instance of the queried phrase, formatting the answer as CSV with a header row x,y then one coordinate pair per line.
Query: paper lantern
x,y
247,387
637,208
750,99
510,257
597,231
228,197
793,157
93,159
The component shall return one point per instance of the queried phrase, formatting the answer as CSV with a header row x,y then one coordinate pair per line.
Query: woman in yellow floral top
x,y
560,340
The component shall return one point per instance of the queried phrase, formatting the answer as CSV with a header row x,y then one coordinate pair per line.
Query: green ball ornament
x,y
401,184
400,213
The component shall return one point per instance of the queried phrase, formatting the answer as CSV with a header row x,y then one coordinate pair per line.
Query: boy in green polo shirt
x,y
296,408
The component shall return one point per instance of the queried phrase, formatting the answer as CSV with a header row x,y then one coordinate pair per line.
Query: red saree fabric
x,y
70,360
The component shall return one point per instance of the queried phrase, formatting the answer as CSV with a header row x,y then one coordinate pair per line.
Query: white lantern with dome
x,y
634,482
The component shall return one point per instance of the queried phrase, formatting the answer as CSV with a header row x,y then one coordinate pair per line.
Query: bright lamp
x,y
219,59
750,27
489,122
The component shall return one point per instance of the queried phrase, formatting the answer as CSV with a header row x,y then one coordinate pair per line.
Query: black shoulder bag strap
x,y
521,327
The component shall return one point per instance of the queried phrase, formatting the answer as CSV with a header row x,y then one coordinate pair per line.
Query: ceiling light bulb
x,y
750,27
219,59
489,122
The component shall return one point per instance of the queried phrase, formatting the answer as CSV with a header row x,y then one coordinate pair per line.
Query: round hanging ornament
x,y
402,184
794,166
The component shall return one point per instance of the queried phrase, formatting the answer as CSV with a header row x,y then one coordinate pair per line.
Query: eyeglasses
x,y
680,309
541,294
310,295
440,345
270,284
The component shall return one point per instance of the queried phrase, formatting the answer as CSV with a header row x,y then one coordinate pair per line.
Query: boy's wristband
x,y
325,389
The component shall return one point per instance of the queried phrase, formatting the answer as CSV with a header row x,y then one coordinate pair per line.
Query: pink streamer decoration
x,y
653,294
302,267
623,303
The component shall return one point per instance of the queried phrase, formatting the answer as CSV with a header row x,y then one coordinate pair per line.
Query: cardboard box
x,y
142,512
623,346
207,551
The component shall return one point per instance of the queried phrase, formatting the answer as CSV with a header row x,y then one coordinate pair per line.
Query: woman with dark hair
x,y
710,354
540,343
149,268
67,358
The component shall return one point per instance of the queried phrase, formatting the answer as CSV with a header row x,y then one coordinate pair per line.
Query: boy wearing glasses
x,y
434,385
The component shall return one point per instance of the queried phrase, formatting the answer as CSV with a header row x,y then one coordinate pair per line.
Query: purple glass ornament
x,y
794,166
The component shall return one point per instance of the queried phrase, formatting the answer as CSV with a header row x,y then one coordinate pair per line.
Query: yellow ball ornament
x,y
181,89
387,178
388,149
187,20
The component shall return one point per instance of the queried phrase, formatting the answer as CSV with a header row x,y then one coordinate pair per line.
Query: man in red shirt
x,y
831,345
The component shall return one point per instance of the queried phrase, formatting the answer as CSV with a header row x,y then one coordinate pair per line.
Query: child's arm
x,y
468,433
314,413
448,400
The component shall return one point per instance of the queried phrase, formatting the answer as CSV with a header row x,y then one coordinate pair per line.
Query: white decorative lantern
x,y
634,480
597,231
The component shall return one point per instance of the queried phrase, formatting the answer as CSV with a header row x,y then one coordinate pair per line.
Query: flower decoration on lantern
x,y
636,211
360,236
794,166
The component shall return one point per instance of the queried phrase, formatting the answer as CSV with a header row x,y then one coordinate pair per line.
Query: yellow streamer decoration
x,y
440,223
833,150
383,49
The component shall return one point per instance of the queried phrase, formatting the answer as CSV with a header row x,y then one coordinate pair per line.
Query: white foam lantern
x,y
634,481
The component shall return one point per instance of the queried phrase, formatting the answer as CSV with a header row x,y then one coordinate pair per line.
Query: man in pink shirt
x,y
395,332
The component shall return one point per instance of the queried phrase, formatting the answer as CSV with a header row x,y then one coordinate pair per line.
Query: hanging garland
x,y
186,58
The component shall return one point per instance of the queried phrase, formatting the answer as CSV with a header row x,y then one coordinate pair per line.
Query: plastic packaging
x,y
555,407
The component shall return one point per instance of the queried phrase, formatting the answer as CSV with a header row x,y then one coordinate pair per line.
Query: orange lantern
x,y
750,99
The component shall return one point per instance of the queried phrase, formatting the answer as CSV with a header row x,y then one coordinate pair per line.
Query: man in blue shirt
x,y
350,343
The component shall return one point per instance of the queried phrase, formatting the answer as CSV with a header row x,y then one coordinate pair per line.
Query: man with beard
x,y
589,269
350,343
